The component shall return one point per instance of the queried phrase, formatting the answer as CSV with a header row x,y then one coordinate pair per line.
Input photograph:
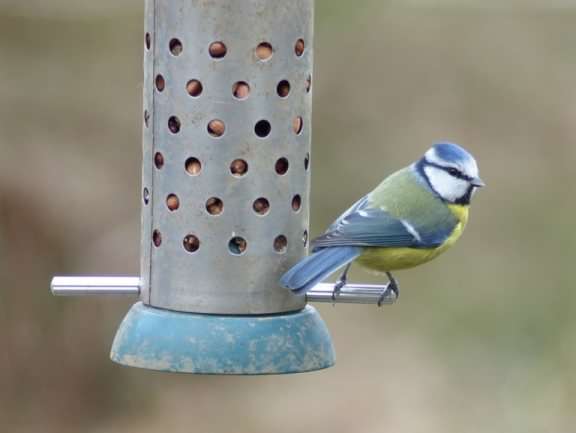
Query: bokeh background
x,y
483,339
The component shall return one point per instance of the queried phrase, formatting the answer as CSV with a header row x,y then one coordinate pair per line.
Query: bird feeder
x,y
225,195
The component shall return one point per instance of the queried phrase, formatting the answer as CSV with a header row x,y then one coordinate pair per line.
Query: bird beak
x,y
477,182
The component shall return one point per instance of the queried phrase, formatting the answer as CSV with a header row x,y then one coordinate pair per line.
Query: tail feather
x,y
312,269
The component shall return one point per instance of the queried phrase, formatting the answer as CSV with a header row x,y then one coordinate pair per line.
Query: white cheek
x,y
448,187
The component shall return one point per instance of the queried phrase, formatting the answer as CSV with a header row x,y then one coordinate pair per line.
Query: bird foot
x,y
392,286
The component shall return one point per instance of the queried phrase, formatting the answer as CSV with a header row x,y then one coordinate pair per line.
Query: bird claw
x,y
337,288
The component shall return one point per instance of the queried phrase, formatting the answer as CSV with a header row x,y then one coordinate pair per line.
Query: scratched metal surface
x,y
212,280
194,343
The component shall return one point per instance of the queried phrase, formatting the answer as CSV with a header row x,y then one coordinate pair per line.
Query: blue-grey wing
x,y
364,226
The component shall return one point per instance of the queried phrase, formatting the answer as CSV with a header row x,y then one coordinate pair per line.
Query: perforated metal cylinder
x,y
226,153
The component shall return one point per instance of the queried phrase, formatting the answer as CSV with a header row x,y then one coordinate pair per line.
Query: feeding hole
x,y
307,161
264,51
214,206
308,83
160,83
174,124
262,128
280,244
297,125
194,88
217,50
147,40
237,245
175,47
172,202
241,90
305,237
299,47
191,243
238,167
283,88
156,238
193,166
296,202
261,206
146,195
158,160
216,128
146,118
281,166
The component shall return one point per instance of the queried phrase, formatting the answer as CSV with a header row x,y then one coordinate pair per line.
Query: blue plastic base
x,y
209,344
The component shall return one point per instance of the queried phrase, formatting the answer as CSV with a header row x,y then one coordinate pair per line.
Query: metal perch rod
x,y
78,286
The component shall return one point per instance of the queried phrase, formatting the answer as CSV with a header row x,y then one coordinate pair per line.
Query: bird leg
x,y
391,286
341,282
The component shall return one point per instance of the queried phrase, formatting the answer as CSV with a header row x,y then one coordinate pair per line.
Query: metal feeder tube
x,y
225,190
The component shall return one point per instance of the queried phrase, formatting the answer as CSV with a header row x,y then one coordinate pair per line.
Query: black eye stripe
x,y
457,174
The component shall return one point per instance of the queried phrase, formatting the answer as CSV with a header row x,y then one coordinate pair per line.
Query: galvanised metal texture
x,y
147,151
226,153
198,343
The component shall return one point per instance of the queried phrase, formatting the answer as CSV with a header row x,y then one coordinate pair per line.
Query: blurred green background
x,y
483,339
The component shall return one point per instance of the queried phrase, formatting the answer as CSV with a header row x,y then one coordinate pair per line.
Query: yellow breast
x,y
390,259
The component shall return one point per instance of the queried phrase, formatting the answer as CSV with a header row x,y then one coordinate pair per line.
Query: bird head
x,y
451,172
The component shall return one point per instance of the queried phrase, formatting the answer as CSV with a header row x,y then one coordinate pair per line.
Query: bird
x,y
410,218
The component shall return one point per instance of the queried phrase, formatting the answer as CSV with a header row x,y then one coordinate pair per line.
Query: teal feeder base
x,y
166,340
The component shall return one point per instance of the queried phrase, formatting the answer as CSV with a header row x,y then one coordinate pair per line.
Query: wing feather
x,y
365,226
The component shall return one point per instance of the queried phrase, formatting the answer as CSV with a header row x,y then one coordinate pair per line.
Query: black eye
x,y
453,171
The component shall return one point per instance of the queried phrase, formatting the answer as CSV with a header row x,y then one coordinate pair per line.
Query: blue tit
x,y
413,216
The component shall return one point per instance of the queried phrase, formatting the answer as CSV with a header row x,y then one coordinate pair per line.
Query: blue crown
x,y
451,152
